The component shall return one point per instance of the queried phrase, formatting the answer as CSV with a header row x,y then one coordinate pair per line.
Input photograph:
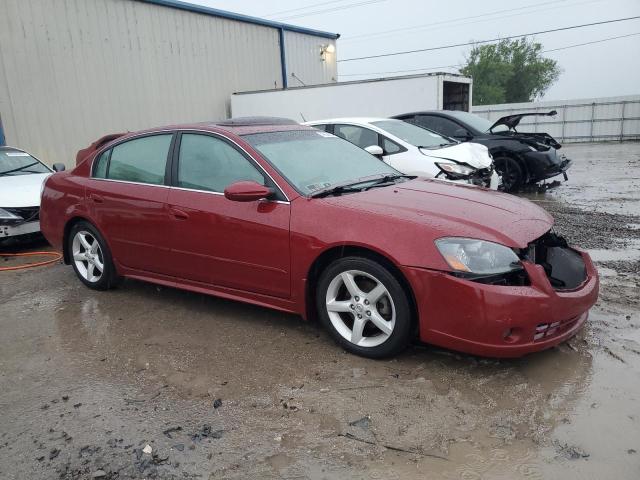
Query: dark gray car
x,y
521,158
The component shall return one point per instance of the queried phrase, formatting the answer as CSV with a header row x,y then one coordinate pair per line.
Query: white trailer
x,y
380,97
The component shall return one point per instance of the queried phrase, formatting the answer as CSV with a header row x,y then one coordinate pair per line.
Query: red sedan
x,y
277,214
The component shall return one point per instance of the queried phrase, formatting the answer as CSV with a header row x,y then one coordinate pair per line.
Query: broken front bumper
x,y
16,230
560,169
548,164
496,320
487,178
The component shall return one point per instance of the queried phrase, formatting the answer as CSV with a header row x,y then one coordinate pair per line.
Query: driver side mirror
x,y
375,150
247,191
462,134
58,167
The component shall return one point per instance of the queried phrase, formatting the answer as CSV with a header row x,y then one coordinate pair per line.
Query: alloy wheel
x,y
87,256
509,171
360,308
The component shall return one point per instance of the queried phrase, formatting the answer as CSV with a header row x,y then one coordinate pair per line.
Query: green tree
x,y
509,71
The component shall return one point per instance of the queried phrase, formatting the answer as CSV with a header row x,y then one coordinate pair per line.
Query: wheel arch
x,y
506,152
67,230
328,256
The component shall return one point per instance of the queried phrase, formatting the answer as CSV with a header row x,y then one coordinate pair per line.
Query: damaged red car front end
x,y
497,320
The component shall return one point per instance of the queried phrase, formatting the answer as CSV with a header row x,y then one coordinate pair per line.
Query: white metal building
x,y
74,70
377,97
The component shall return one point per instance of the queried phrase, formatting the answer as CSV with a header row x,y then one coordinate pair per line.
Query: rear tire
x,y
510,171
90,257
364,307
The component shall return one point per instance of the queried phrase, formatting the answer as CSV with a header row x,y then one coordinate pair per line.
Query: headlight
x,y
477,256
455,170
5,215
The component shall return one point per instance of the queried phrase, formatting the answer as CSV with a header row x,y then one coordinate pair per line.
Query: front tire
x,y
90,257
511,173
364,307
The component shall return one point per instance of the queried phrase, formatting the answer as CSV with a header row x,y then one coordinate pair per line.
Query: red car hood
x,y
455,210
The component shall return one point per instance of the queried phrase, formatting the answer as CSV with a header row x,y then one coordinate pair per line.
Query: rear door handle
x,y
178,214
96,198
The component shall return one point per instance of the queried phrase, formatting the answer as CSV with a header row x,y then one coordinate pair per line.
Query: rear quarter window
x,y
100,165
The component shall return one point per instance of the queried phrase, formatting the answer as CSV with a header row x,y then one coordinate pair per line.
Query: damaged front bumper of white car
x,y
19,221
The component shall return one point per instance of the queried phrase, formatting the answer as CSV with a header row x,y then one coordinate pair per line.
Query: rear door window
x,y
360,136
100,165
141,160
390,147
211,164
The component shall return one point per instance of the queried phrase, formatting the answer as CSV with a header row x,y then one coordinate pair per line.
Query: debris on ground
x,y
363,422
206,432
571,452
171,430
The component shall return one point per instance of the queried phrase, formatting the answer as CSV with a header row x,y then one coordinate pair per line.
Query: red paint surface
x,y
262,252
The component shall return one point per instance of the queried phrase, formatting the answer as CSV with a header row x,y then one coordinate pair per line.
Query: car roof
x,y
349,120
237,126
443,113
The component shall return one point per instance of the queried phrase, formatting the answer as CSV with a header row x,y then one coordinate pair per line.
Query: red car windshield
x,y
313,160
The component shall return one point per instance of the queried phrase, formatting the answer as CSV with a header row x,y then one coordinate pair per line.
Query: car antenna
x,y
303,119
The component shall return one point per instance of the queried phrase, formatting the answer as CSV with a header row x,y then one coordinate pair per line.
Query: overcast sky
x,y
380,26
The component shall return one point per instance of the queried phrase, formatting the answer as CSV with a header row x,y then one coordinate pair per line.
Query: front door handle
x,y
178,214
96,198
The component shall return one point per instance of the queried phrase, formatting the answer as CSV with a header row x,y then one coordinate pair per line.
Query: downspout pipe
x,y
283,58
3,140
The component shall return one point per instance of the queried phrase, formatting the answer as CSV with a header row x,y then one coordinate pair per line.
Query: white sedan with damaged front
x,y
21,179
415,150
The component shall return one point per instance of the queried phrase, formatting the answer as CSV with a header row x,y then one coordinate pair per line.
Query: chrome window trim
x,y
170,187
176,131
130,182
222,194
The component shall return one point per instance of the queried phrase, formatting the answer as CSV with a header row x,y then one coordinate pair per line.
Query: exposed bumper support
x,y
22,229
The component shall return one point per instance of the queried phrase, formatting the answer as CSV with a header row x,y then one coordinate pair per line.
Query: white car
x,y
415,150
21,180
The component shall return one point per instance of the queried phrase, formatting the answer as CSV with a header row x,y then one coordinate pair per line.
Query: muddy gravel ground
x,y
91,382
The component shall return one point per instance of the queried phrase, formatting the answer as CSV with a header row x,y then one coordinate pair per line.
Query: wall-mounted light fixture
x,y
324,49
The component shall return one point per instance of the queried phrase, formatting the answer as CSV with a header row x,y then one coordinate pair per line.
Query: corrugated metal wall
x,y
584,120
74,70
305,62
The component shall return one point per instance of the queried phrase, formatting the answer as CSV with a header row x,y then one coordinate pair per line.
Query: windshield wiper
x,y
388,180
436,146
18,169
325,192
348,186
